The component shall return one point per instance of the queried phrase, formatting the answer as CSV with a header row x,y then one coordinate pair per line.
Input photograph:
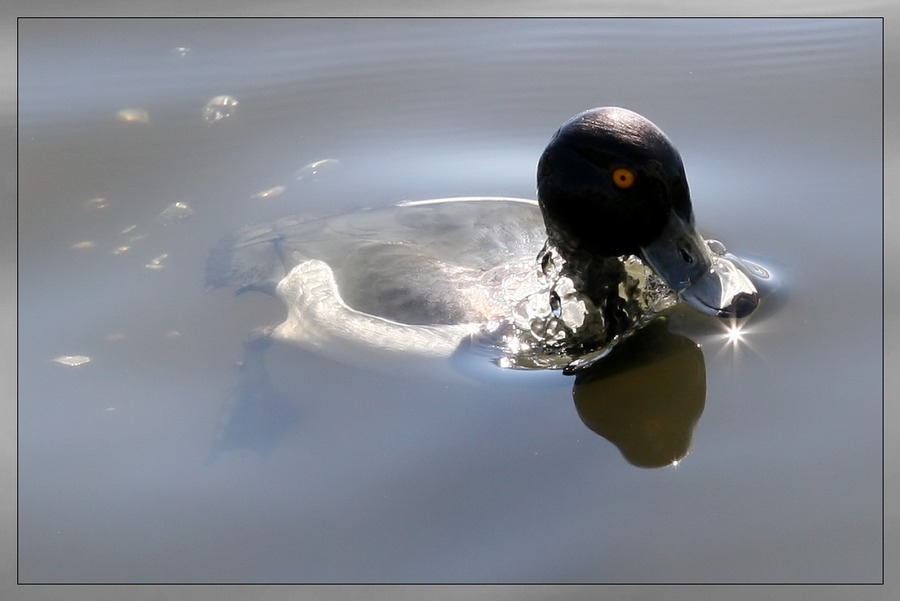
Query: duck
x,y
608,246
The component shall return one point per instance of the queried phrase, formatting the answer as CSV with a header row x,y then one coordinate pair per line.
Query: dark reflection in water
x,y
260,415
646,396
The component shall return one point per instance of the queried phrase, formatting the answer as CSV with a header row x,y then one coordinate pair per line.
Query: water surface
x,y
391,476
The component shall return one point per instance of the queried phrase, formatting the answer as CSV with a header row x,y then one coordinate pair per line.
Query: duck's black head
x,y
610,183
609,180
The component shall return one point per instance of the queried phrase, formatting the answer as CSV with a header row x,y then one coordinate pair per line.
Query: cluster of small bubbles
x,y
546,317
219,108
647,289
132,234
175,212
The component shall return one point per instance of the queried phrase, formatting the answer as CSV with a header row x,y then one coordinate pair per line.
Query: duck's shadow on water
x,y
645,397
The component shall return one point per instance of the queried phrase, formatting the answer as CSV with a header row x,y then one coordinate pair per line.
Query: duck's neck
x,y
604,281
595,276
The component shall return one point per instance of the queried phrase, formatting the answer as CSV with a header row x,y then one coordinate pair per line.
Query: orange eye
x,y
623,178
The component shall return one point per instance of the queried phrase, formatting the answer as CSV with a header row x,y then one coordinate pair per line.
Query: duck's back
x,y
427,262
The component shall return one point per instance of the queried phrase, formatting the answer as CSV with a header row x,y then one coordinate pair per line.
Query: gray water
x,y
126,469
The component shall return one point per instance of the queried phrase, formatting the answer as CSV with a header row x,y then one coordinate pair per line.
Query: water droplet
x,y
315,169
547,263
175,212
72,360
133,116
219,108
555,304
538,328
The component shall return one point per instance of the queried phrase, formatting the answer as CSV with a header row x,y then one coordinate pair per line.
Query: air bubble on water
x,y
95,204
133,237
270,193
219,109
157,263
83,245
181,51
133,116
315,169
72,360
176,211
121,250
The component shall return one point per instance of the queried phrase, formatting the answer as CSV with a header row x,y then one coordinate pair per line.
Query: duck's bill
x,y
724,291
702,275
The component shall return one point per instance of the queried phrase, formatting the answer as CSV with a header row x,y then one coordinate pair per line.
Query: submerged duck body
x,y
554,283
